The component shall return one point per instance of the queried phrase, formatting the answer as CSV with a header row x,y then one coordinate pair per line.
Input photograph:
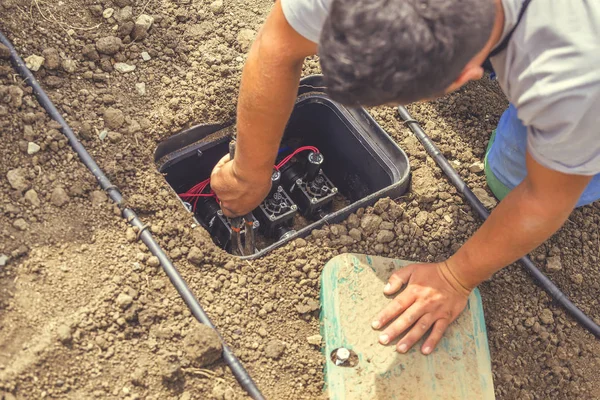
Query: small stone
x,y
577,279
315,340
3,260
124,300
245,37
553,264
34,62
113,118
143,23
384,236
485,198
98,198
370,222
140,87
546,317
124,67
32,197
107,13
421,218
16,179
109,45
103,134
476,167
153,262
59,197
529,322
124,14
202,346
217,6
51,58
195,256
146,56
64,334
68,65
21,224
4,52
32,148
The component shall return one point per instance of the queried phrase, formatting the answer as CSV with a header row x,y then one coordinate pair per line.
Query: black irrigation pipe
x,y
462,187
177,280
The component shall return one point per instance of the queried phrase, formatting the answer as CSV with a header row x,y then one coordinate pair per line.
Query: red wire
x,y
195,192
298,150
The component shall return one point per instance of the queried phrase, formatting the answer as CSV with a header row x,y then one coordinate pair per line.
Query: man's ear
x,y
471,72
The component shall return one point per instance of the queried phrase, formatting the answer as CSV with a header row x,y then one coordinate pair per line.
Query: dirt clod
x,y
16,179
369,223
245,37
124,300
52,59
113,118
202,345
488,201
59,196
108,45
195,256
553,264
64,333
275,349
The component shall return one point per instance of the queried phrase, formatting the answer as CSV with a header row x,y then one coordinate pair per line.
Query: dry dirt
x,y
86,313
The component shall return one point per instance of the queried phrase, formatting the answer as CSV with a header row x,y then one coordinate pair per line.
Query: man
x,y
545,152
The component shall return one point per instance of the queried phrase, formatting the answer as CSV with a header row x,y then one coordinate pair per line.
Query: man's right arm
x,y
267,94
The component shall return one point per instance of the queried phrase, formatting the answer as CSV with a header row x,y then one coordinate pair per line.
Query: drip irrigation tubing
x,y
115,195
462,187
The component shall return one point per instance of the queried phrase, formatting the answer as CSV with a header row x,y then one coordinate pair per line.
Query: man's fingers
x,y
401,324
397,279
225,159
393,309
416,333
436,334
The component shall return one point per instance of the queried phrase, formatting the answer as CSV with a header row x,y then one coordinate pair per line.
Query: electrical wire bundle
x,y
196,192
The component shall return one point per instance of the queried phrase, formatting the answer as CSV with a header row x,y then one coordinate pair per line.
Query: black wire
x,y
175,277
462,187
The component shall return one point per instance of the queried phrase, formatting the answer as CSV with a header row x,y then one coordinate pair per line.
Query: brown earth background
x,y
86,312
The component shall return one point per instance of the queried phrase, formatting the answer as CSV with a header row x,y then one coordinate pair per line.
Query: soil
x,y
85,311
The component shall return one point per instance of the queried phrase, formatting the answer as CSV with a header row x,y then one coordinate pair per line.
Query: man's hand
x,y
267,94
432,298
238,192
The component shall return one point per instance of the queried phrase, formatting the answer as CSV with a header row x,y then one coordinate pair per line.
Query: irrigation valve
x,y
298,186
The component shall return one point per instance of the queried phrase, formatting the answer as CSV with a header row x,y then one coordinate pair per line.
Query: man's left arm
x,y
437,293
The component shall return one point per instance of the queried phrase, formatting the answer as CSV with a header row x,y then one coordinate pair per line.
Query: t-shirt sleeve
x,y
565,134
550,73
306,16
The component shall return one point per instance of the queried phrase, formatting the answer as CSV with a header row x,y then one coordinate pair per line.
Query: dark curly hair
x,y
399,51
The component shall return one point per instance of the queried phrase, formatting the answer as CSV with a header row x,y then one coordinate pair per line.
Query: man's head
x,y
399,51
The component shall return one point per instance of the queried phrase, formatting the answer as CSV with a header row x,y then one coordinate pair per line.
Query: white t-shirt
x,y
550,71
